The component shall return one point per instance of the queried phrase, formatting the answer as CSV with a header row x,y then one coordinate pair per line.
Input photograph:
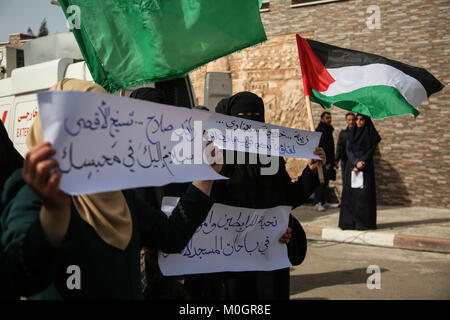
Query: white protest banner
x,y
234,133
231,239
106,143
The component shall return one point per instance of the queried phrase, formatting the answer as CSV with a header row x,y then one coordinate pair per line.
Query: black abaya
x,y
359,205
248,188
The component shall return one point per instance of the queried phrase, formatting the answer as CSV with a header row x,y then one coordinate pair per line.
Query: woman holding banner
x,y
247,187
86,246
156,286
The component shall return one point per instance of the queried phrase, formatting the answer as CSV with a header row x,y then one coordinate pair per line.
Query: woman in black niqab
x,y
244,105
358,205
247,187
362,139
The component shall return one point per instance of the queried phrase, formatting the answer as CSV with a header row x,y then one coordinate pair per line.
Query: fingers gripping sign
x,y
313,164
40,172
286,237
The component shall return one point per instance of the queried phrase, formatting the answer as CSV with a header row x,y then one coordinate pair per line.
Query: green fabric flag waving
x,y
130,42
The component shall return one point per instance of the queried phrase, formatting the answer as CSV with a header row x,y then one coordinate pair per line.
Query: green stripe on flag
x,y
130,42
377,102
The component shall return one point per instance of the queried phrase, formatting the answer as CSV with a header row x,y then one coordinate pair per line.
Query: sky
x,y
17,15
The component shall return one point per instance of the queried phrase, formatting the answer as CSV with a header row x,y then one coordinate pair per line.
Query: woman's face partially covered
x,y
360,121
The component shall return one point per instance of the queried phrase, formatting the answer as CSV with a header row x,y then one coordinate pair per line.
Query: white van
x,y
18,94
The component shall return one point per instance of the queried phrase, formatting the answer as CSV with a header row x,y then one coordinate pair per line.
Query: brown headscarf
x,y
107,212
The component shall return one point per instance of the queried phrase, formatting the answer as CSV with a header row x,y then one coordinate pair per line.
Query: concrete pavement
x,y
416,228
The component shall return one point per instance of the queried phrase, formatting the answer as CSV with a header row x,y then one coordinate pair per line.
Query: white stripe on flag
x,y
351,78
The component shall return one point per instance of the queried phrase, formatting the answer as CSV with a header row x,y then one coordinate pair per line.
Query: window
x,y
302,3
20,62
265,6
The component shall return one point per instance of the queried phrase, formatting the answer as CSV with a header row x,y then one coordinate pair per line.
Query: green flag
x,y
130,42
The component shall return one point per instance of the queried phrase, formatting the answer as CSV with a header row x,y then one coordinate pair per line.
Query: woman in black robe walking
x,y
359,205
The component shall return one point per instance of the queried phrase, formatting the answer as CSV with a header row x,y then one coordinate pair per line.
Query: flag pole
x,y
310,117
307,99
311,127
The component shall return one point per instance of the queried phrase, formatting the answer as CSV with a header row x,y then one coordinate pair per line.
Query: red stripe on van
x,y
4,116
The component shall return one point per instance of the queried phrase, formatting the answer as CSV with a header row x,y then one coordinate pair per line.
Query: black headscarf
x,y
203,108
362,139
247,187
149,94
10,158
242,102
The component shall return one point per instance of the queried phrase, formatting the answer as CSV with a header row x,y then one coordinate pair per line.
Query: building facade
x,y
12,54
412,162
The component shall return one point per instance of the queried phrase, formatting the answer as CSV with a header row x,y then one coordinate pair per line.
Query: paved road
x,y
338,271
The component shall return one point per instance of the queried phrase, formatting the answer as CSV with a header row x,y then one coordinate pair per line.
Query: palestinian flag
x,y
362,82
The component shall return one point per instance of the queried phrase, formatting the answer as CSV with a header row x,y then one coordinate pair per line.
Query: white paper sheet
x,y
231,239
357,180
234,133
105,142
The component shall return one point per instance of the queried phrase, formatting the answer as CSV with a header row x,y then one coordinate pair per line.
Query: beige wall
x,y
272,71
412,162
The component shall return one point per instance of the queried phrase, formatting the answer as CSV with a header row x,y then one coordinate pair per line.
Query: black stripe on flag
x,y
336,57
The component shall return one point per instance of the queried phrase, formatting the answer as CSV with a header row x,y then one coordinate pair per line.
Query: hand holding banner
x,y
231,239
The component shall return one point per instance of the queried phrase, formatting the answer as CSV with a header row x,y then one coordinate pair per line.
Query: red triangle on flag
x,y
314,74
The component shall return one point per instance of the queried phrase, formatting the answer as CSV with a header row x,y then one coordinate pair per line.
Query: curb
x,y
380,239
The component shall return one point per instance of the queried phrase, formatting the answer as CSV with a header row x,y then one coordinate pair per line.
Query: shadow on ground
x,y
307,213
390,225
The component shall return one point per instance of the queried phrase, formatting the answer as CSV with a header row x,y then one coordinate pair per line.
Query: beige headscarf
x,y
107,212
